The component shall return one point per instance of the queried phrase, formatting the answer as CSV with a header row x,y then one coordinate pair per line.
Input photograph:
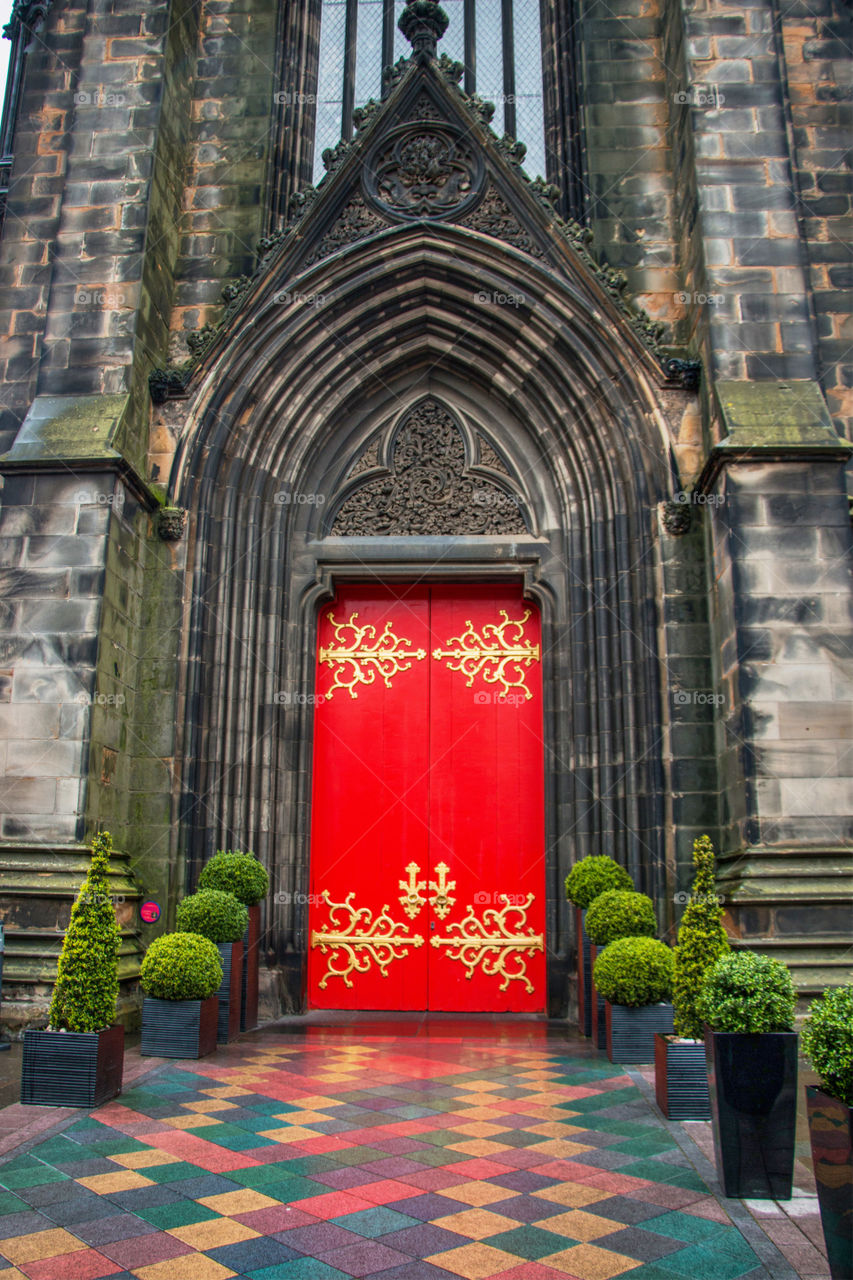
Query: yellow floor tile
x,y
493,1114
225,1091
190,1121
106,1184
229,1203
560,1148
474,1261
479,1147
143,1159
41,1244
484,1086
213,1234
296,1134
477,1223
571,1193
553,1129
588,1262
193,1266
304,1117
478,1193
481,1129
316,1102
213,1104
580,1226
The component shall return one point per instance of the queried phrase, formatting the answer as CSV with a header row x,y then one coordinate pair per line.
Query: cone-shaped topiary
x,y
84,998
634,972
594,875
214,914
827,1039
701,941
620,913
181,966
237,873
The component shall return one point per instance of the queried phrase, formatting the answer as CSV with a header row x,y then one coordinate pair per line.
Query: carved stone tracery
x,y
424,171
428,490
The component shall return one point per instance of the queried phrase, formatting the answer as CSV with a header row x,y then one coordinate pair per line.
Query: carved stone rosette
x,y
424,170
429,490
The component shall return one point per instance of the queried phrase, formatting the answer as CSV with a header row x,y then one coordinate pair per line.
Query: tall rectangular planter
x,y
598,1017
179,1028
752,1081
631,1032
230,994
831,1134
251,961
72,1068
584,975
681,1078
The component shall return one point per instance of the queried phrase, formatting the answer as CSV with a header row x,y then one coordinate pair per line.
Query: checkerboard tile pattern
x,y
327,1155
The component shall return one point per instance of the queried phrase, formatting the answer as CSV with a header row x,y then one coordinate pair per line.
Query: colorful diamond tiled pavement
x,y
333,1154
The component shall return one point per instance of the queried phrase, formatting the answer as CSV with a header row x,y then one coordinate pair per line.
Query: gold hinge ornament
x,y
361,660
441,901
491,653
490,943
411,899
376,941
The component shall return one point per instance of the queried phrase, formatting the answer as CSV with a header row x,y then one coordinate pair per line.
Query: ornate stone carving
x,y
428,491
355,221
424,171
171,522
488,457
493,217
686,373
675,517
425,108
368,460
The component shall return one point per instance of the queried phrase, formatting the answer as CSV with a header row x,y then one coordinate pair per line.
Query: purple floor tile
x,y
527,1208
426,1207
124,1226
343,1179
365,1259
321,1238
426,1239
523,1180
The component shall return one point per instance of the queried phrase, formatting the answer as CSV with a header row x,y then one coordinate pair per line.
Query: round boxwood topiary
x,y
747,992
634,972
827,1041
237,873
215,915
594,875
620,913
181,966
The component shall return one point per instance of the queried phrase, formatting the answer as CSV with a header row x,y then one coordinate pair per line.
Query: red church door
x,y
427,835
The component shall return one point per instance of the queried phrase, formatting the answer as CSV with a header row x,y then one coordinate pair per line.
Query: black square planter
x,y
72,1068
179,1028
631,1031
752,1081
831,1134
251,964
584,974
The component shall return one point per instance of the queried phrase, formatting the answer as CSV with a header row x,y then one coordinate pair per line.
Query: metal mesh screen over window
x,y
515,61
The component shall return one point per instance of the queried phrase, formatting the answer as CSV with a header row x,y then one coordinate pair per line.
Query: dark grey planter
x,y
179,1028
752,1080
230,992
72,1068
584,974
631,1032
251,965
681,1078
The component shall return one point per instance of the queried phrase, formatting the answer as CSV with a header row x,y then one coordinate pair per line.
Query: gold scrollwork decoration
x,y
500,658
411,899
355,945
491,943
362,655
441,901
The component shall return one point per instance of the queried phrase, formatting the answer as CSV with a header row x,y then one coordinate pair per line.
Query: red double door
x,y
427,838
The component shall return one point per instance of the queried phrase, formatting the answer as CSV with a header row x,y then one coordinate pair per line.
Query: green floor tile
x,y
182,1214
652,1145
287,1190
661,1171
299,1269
260,1176
11,1204
171,1172
31,1177
233,1138
706,1263
684,1226
529,1242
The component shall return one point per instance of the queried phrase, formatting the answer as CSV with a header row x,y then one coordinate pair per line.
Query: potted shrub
x,y
78,1060
221,918
587,879
245,877
180,975
616,913
827,1041
747,1001
681,1077
634,975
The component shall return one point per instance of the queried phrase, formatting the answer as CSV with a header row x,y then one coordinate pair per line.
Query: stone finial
x,y
423,23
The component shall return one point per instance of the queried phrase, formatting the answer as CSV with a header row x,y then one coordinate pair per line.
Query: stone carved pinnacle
x,y
423,23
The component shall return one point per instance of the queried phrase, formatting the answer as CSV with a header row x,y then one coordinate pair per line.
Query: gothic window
x,y
498,41
25,22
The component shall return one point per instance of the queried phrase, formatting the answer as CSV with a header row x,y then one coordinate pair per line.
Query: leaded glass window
x,y
499,42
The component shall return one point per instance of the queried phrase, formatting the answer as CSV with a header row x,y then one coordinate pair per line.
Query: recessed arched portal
x,y
296,416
